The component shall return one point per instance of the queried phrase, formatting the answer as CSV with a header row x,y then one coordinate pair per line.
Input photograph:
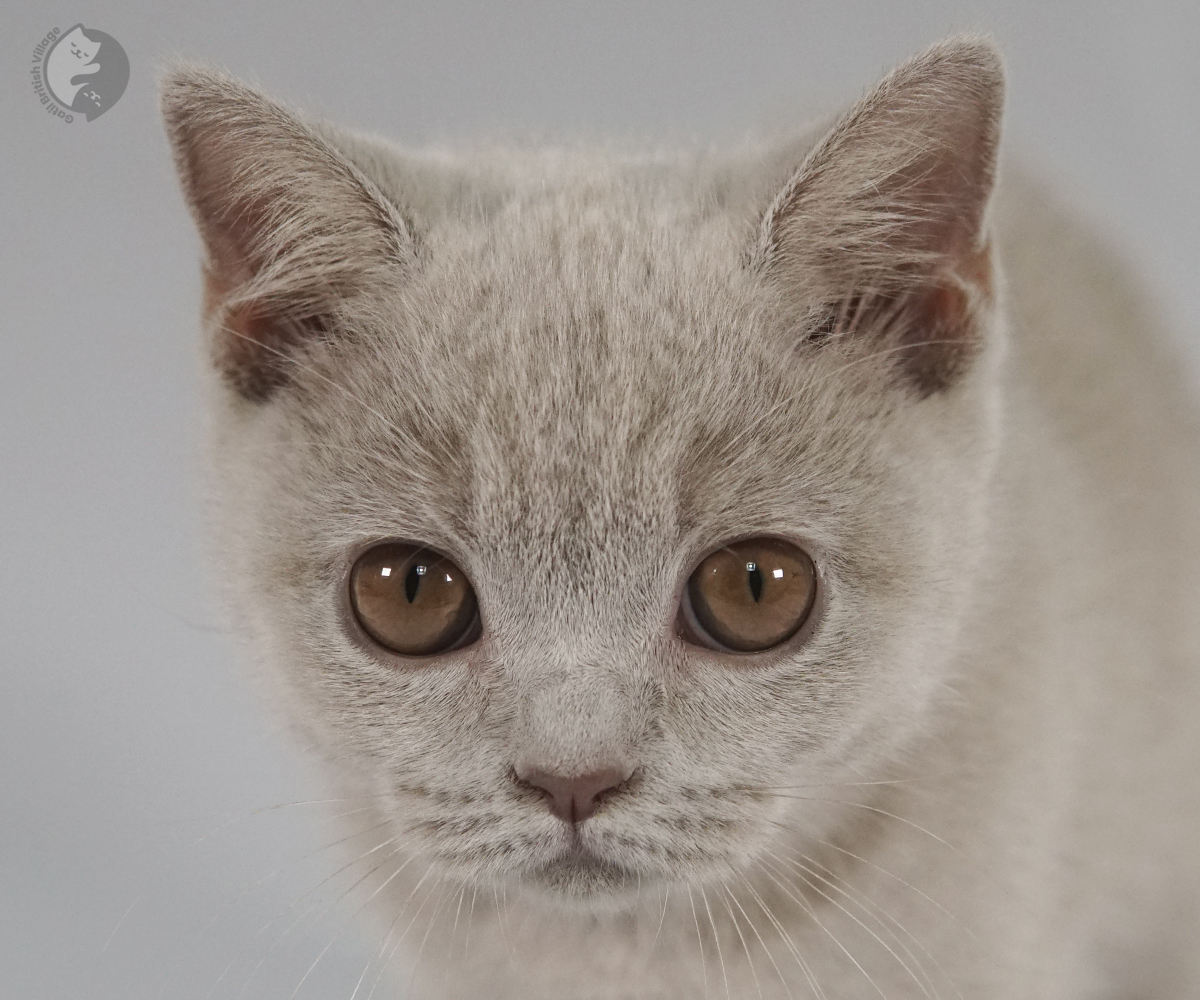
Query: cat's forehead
x,y
588,367
573,430
602,236
593,329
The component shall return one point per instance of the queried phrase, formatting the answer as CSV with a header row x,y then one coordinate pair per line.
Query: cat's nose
x,y
573,799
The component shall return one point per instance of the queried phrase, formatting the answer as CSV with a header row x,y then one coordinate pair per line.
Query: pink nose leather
x,y
574,799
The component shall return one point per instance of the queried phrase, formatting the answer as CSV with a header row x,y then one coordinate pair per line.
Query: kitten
x,y
768,573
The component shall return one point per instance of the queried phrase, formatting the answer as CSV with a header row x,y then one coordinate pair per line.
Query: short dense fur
x,y
576,372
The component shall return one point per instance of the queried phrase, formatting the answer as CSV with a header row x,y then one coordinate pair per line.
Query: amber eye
x,y
412,600
749,596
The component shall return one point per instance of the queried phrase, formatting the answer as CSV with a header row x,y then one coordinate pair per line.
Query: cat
x,y
69,63
761,572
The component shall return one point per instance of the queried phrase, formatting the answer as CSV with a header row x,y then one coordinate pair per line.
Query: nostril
x,y
573,799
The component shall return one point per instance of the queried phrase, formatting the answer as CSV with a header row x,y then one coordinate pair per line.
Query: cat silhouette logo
x,y
83,70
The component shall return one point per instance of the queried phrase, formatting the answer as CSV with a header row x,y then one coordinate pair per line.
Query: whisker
x,y
661,919
508,920
231,820
807,909
470,919
519,936
400,939
700,941
717,941
350,920
295,923
741,937
981,868
228,906
874,912
462,892
877,811
891,951
502,924
120,921
421,948
787,938
391,927
234,819
330,877
929,899
328,944
770,956
836,784
866,901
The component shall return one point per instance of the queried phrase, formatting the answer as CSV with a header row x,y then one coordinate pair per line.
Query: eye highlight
x,y
749,596
413,600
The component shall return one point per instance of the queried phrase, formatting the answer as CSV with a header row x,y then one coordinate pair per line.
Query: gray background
x,y
137,858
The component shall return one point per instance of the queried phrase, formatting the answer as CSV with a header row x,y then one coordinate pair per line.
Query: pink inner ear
x,y
254,341
939,329
929,331
975,268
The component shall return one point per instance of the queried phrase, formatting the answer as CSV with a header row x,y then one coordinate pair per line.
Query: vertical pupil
x,y
755,578
412,582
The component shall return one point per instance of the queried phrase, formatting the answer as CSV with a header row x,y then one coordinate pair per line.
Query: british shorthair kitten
x,y
761,573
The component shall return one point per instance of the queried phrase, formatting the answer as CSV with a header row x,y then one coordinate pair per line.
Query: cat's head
x,y
585,504
76,44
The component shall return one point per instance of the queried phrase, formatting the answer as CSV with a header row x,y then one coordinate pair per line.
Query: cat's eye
x,y
749,596
413,600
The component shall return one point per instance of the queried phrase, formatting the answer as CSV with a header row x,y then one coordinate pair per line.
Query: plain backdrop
x,y
145,846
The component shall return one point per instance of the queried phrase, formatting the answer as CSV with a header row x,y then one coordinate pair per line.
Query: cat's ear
x,y
292,229
880,234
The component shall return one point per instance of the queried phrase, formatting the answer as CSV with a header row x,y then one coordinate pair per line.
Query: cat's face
x,y
576,398
79,46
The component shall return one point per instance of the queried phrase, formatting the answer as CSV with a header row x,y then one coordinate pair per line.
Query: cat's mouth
x,y
579,872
